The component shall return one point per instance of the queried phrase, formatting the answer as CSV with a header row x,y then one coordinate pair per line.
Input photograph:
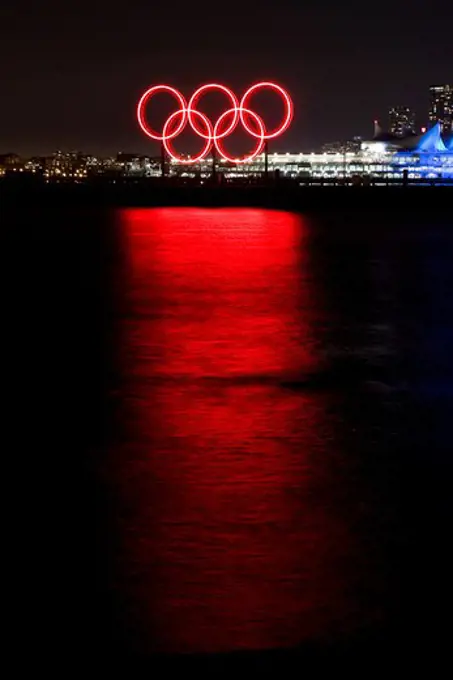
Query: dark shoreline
x,y
284,196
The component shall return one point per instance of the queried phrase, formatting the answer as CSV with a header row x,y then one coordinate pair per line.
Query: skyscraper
x,y
402,121
441,108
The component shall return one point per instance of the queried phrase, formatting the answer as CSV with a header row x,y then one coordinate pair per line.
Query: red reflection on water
x,y
228,285
231,532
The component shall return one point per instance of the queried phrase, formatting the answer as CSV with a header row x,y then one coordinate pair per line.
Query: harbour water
x,y
234,430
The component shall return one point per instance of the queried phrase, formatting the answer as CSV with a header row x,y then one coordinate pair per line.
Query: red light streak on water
x,y
231,533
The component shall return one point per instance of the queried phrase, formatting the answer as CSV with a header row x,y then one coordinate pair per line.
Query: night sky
x,y
71,72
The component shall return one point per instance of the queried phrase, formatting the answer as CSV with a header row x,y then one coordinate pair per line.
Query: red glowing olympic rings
x,y
213,134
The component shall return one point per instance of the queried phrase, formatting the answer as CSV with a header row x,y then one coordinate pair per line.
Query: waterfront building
x,y
384,157
425,156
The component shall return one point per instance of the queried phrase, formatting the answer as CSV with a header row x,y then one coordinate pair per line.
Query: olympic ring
x,y
289,109
208,137
145,99
202,90
259,147
213,133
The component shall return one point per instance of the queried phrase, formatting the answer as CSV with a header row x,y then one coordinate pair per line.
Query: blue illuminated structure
x,y
431,141
429,156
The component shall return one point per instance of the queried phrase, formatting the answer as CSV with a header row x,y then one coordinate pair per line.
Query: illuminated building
x,y
402,121
441,108
384,158
418,157
134,165
351,145
10,160
63,166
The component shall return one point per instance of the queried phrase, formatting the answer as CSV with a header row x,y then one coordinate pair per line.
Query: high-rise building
x,y
441,108
402,121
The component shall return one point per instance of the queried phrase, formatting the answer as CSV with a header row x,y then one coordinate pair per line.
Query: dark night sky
x,y
71,72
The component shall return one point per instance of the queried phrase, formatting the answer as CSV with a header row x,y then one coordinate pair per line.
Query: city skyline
x,y
399,120
71,75
386,157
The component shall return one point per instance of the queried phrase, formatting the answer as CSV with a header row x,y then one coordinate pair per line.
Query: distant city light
x,y
397,154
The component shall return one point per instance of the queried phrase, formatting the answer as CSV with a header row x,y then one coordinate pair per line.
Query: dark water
x,y
231,431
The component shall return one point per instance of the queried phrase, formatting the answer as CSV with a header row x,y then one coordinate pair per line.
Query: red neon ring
x,y
260,143
193,101
166,138
189,113
144,101
289,109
